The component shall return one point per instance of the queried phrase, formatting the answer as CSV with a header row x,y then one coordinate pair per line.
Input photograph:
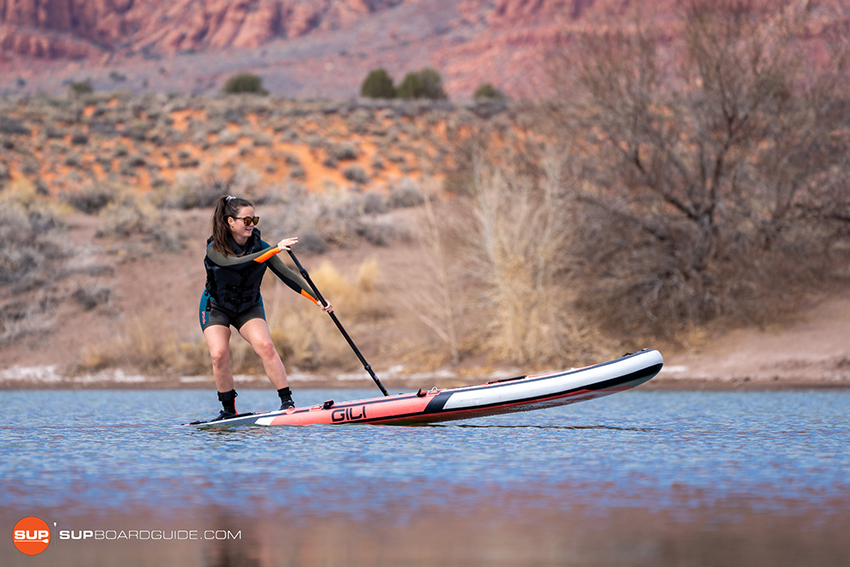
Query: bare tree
x,y
714,161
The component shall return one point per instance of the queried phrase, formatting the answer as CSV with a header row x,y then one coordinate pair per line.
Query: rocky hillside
x,y
47,29
305,48
299,47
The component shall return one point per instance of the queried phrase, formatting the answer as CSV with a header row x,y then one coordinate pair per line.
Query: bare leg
x,y
218,341
256,332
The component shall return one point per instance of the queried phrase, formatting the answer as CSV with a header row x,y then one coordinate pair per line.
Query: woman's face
x,y
241,231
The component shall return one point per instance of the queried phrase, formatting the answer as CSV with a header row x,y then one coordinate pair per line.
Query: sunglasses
x,y
248,220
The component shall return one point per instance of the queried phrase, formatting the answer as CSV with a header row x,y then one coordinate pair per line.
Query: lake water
x,y
638,478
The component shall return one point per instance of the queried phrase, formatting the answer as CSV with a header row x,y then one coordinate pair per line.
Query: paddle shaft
x,y
339,326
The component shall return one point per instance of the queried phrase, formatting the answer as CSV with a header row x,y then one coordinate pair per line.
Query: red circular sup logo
x,y
31,535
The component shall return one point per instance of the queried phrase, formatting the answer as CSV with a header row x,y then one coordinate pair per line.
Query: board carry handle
x,y
339,326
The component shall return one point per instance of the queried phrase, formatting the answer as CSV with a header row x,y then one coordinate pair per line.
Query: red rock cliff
x,y
60,28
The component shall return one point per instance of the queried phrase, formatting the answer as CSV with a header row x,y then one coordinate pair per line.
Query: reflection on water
x,y
565,427
677,478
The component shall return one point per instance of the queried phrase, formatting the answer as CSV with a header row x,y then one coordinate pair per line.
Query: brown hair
x,y
226,206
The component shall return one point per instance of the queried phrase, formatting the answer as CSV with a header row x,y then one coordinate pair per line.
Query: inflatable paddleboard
x,y
523,393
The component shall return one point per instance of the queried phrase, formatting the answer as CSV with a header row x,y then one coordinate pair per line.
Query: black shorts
x,y
211,314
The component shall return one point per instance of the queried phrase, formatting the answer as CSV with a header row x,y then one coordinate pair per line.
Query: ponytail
x,y
226,206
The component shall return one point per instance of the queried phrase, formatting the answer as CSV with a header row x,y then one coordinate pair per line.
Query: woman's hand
x,y
286,243
327,308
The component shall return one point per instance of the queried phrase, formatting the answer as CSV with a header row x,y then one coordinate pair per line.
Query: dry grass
x,y
148,344
304,336
434,301
307,338
519,248
139,346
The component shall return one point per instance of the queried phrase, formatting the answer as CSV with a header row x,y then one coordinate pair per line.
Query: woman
x,y
235,262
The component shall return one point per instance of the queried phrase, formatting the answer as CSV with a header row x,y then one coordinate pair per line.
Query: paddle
x,y
368,368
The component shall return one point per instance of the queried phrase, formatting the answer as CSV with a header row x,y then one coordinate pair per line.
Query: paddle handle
x,y
339,326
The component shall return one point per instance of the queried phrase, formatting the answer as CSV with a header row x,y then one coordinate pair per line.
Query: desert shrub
x,y
356,173
81,87
423,84
228,138
91,198
487,92
376,233
138,160
312,242
262,139
13,126
91,296
188,162
335,218
20,319
359,121
54,133
126,216
343,152
33,247
378,84
396,158
190,191
411,86
291,159
193,190
406,194
247,182
20,253
131,215
374,203
244,83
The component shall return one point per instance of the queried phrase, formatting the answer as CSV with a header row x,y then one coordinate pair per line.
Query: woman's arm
x,y
221,260
291,278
